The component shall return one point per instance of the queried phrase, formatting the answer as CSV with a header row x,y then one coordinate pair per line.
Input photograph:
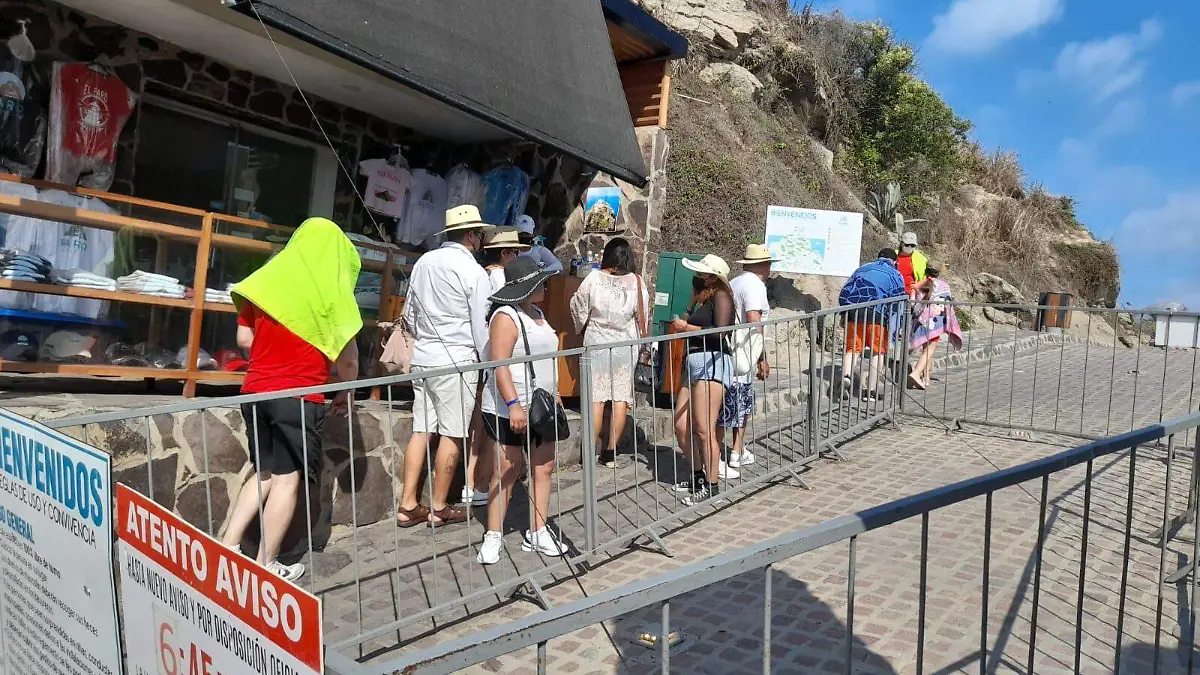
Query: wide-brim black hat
x,y
522,276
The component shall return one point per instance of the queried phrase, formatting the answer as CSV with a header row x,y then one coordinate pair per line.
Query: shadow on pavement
x,y
721,631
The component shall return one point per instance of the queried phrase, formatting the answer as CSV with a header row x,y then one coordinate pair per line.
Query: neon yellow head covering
x,y
308,287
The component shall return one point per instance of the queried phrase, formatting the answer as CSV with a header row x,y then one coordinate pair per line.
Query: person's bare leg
x,y
739,440
473,448
683,422
503,480
849,364
598,423
541,475
414,464
277,514
620,411
927,357
873,376
706,404
443,472
245,507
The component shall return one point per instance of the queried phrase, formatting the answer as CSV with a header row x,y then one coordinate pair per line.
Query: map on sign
x,y
811,241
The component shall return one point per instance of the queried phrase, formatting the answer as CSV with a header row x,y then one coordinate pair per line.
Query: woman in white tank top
x,y
517,328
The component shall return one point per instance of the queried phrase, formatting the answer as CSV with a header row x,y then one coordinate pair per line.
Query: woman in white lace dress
x,y
610,306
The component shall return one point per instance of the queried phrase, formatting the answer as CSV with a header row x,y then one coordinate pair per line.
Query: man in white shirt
x,y
537,250
750,305
446,312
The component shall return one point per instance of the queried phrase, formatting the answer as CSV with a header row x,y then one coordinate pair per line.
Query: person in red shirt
x,y
297,319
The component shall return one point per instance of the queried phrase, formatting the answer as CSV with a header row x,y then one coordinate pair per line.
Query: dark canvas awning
x,y
540,69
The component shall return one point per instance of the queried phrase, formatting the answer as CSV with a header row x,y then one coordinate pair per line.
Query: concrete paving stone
x,y
1060,387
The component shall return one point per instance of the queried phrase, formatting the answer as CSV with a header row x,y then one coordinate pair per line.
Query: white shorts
x,y
443,404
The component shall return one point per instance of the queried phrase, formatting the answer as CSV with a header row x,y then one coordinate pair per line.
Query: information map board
x,y
58,602
193,606
811,241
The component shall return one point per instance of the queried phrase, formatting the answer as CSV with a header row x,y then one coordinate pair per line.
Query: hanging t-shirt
x,y
22,108
506,189
88,109
463,186
75,247
387,187
425,216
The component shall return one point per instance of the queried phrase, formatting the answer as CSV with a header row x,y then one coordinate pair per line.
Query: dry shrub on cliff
x,y
730,160
999,172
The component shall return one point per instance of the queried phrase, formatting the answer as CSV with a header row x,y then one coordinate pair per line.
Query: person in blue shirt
x,y
868,328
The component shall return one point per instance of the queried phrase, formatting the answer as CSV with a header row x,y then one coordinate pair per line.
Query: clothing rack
x,y
204,236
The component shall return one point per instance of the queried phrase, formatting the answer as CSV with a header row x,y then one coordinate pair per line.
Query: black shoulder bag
x,y
547,419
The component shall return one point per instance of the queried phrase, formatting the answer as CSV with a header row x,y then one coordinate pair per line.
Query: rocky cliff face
x,y
749,132
718,25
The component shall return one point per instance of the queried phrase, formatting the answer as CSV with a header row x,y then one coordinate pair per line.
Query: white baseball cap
x,y
525,224
909,238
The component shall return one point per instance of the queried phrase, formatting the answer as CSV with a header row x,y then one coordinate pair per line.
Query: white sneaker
x,y
286,572
726,472
473,497
489,550
543,541
738,461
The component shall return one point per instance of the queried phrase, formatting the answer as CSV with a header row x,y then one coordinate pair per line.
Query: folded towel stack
x,y
148,283
83,279
212,295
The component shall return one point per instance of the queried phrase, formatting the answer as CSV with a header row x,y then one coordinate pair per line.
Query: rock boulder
x,y
741,82
726,24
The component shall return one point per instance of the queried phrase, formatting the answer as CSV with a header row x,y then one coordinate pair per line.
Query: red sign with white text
x,y
223,600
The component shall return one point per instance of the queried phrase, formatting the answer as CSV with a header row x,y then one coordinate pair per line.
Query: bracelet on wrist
x,y
513,402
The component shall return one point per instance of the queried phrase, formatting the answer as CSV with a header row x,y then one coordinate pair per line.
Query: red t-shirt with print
x,y
279,359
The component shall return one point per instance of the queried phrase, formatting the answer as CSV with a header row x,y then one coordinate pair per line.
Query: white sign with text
x,y
58,601
811,241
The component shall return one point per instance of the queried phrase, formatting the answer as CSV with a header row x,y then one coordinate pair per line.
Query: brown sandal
x,y
451,515
417,515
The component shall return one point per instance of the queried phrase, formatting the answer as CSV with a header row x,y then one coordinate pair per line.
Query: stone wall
x,y
641,208
199,461
149,65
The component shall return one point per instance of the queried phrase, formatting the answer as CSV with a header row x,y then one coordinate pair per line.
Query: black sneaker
x,y
701,494
692,484
608,458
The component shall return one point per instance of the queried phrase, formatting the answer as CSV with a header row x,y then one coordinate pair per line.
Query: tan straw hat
x,y
709,264
464,218
506,237
757,253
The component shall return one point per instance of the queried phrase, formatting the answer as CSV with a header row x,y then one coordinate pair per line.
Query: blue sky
x,y
1101,99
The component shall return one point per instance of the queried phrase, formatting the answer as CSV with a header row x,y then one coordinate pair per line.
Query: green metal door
x,y
673,289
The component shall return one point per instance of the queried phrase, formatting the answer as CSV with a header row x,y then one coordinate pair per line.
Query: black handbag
x,y
546,417
647,363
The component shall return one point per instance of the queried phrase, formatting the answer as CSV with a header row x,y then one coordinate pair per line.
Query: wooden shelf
x,y
95,294
106,370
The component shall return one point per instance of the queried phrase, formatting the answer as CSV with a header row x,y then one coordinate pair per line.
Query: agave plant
x,y
882,202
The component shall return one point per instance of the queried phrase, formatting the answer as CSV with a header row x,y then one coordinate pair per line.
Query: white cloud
x,y
979,26
1171,230
1123,117
1185,92
1110,65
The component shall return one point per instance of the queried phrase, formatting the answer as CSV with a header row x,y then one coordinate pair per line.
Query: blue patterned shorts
x,y
738,406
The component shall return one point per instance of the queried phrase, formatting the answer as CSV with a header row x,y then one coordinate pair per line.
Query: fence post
x,y
587,450
905,332
814,382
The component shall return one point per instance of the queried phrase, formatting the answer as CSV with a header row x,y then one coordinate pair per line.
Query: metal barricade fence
x,y
1118,627
1101,375
382,585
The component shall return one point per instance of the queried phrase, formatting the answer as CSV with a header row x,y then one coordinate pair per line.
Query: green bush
x,y
906,132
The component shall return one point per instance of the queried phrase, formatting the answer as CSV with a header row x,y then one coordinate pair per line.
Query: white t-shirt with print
x,y
425,216
749,295
387,187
